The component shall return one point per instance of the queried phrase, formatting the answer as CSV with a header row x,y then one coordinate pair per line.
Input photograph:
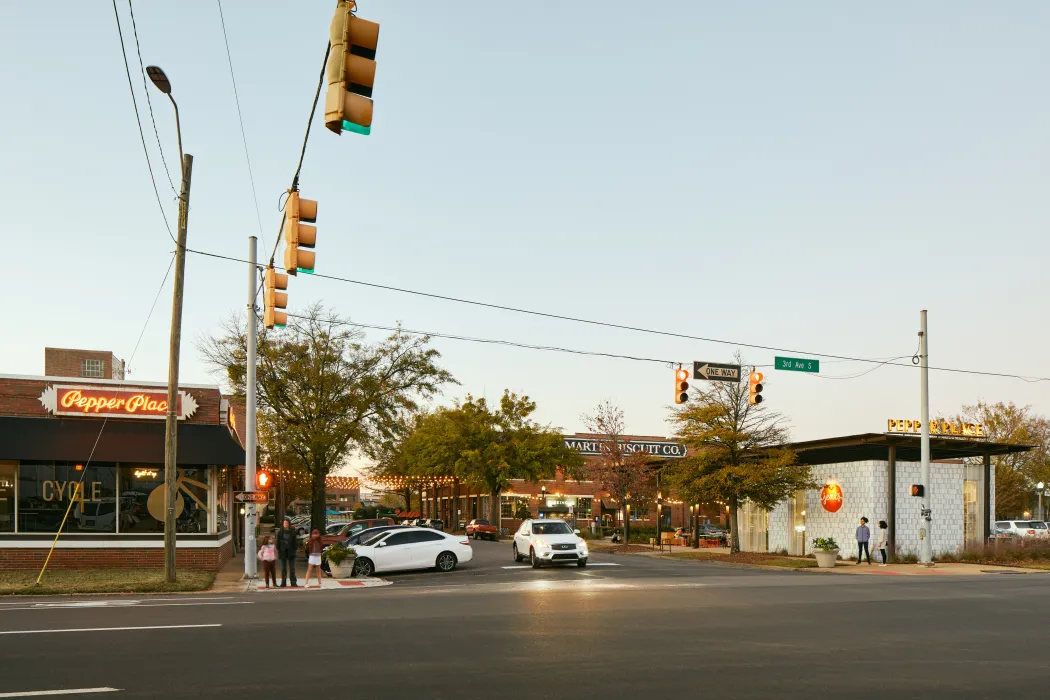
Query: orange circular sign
x,y
831,497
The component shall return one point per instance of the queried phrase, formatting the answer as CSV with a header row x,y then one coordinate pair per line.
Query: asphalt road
x,y
647,628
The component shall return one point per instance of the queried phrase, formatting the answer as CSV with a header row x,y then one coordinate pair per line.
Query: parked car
x,y
549,542
408,548
1023,529
352,528
1002,531
710,532
359,537
432,523
481,528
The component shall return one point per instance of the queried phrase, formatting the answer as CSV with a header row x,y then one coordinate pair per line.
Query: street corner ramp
x,y
326,585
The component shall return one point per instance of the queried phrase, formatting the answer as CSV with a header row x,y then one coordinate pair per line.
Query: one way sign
x,y
714,372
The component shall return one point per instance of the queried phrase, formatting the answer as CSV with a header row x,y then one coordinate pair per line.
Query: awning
x,y
72,440
875,446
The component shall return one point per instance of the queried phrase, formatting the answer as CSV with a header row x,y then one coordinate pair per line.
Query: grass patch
x,y
67,581
748,558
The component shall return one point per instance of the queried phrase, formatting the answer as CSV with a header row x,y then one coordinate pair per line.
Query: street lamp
x,y
174,345
543,501
1040,487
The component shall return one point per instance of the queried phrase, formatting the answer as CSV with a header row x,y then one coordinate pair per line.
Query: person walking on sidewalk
x,y
286,550
883,534
863,537
268,557
313,557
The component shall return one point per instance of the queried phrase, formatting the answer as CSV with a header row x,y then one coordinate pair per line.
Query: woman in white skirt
x,y
313,557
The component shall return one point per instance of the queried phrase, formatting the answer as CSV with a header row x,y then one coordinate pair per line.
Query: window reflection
x,y
7,496
45,490
142,500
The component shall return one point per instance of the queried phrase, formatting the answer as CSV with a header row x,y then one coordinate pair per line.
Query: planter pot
x,y
344,569
826,559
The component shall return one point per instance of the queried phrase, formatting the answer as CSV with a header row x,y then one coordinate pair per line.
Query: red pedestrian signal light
x,y
298,235
918,490
681,386
754,396
263,480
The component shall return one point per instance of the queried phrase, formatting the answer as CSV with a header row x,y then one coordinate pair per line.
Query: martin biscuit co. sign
x,y
114,402
592,447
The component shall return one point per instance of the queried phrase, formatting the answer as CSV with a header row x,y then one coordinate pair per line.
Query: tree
x,y
324,392
485,448
522,511
736,452
1016,474
624,474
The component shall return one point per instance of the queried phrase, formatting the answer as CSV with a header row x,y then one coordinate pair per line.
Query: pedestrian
x,y
863,537
286,550
313,556
268,557
883,534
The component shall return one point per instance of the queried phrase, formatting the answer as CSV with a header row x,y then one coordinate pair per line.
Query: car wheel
x,y
363,567
517,557
476,538
534,559
446,562
581,563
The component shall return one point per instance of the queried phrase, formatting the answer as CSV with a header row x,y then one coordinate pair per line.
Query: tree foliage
x,y
736,452
323,392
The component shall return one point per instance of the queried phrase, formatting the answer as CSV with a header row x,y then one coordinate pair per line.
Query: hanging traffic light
x,y
273,299
755,391
351,72
263,480
299,235
681,385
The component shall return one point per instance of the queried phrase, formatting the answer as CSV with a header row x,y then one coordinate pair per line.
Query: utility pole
x,y
926,521
171,423
249,415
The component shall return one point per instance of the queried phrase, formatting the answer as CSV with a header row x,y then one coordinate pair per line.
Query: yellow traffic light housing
x,y
755,390
681,385
298,235
351,72
273,299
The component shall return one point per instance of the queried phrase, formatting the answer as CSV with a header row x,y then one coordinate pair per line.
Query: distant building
x,y
87,364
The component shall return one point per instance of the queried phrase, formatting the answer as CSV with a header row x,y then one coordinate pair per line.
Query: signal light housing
x,y
351,72
273,299
755,389
918,490
298,235
681,386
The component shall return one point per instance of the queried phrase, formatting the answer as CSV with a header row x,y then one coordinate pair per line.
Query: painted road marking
x,y
109,629
135,604
69,691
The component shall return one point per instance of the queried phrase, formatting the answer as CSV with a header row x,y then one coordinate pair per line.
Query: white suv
x,y
549,542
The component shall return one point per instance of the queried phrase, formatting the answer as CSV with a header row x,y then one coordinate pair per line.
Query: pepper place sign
x,y
831,497
937,427
114,402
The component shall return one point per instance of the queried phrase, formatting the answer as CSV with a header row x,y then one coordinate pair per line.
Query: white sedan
x,y
409,548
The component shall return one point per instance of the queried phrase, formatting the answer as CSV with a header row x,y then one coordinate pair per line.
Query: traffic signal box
x,y
351,72
681,386
263,480
273,299
755,390
298,235
918,490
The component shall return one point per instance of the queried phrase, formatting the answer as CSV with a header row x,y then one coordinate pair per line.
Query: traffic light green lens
x,y
305,271
356,128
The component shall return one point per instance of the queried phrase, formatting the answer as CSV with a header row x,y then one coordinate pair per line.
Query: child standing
x,y
268,557
313,556
883,534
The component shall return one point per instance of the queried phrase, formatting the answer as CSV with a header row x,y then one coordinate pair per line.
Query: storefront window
x,y
222,499
46,489
142,500
583,508
971,519
7,496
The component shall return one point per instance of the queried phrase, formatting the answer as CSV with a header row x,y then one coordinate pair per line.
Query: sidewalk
x,y
947,569
231,580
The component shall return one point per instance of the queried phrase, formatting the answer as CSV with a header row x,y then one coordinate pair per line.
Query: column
x,y
891,500
986,528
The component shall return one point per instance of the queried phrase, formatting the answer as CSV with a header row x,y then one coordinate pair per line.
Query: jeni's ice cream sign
x,y
114,402
937,427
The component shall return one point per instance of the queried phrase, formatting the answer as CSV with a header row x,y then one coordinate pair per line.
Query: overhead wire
x,y
138,121
638,329
149,102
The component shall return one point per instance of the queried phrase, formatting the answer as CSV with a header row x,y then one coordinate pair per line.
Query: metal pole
x,y
171,421
925,524
249,416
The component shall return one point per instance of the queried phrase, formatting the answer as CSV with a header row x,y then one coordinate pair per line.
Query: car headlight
x,y
582,545
540,544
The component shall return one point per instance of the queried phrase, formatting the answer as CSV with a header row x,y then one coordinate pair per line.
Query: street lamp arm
x,y
178,126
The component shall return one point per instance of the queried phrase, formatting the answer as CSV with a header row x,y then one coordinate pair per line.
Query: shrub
x,y
906,558
339,552
825,544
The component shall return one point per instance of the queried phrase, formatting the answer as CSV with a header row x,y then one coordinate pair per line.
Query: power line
x,y
149,102
638,329
138,121
240,120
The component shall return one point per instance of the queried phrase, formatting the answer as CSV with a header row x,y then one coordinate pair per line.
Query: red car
x,y
481,528
352,528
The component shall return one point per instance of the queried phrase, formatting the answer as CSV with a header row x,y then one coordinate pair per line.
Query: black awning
x,y
72,440
875,446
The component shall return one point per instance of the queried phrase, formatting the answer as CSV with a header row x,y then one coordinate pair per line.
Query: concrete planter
x,y
826,558
344,569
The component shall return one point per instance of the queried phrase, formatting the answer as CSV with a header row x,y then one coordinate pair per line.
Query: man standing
x,y
863,537
286,551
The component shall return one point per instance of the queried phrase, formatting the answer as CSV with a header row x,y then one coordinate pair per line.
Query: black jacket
x,y
286,543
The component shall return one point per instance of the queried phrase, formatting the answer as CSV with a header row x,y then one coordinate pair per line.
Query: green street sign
x,y
797,364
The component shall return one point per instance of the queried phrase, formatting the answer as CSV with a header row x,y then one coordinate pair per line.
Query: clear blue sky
x,y
801,175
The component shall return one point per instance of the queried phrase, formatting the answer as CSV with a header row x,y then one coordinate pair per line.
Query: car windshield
x,y
481,522
552,528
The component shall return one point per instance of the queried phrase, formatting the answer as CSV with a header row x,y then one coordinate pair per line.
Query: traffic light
x,y
273,299
299,235
263,480
681,386
351,71
918,490
755,392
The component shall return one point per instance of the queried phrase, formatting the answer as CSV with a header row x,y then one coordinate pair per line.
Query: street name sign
x,y
796,364
714,372
251,496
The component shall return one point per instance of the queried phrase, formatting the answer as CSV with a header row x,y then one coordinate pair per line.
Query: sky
x,y
805,176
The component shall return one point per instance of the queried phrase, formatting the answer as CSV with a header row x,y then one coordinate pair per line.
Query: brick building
x,y
94,448
87,364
